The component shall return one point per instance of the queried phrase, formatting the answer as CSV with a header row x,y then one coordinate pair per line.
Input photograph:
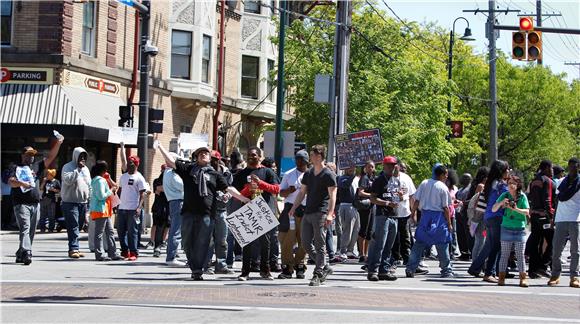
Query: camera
x,y
512,204
149,49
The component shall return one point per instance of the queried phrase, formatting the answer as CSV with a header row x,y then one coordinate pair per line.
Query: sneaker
x,y
554,281
209,272
475,274
393,269
238,258
544,273
448,275
274,267
103,258
132,256
575,282
362,259
423,265
326,271
19,257
255,267
266,275
26,258
315,281
343,256
300,269
372,276
286,272
351,255
225,271
156,253
117,258
364,268
175,263
244,277
73,254
197,277
387,277
533,275
409,274
421,271
125,254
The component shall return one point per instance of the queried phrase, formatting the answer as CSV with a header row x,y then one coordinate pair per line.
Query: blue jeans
x,y
174,237
442,254
196,231
385,232
74,215
491,248
127,229
231,246
220,236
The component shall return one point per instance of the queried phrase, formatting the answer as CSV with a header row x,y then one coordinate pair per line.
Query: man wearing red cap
x,y
386,194
132,187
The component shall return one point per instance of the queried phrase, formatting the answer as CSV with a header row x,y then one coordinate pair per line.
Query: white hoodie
x,y
76,183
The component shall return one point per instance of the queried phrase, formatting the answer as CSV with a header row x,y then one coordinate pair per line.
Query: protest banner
x,y
251,221
355,149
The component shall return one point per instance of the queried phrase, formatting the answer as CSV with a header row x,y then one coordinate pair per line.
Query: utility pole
x,y
220,76
279,140
491,36
144,89
339,103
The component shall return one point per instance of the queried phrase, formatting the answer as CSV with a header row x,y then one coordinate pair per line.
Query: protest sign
x,y
251,221
355,149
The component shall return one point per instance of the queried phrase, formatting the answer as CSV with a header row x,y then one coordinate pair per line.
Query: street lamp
x,y
466,37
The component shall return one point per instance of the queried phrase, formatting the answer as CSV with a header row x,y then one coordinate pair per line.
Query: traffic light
x,y
526,24
155,121
519,45
534,45
456,129
126,116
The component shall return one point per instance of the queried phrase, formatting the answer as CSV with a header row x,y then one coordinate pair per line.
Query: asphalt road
x,y
56,289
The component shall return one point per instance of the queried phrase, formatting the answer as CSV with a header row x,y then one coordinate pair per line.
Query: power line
x,y
408,41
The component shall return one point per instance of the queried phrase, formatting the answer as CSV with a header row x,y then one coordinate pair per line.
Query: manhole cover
x,y
286,294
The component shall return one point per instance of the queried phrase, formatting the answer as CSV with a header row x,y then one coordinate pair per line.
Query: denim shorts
x,y
513,235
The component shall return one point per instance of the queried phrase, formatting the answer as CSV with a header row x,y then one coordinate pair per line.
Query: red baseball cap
x,y
390,160
216,154
135,159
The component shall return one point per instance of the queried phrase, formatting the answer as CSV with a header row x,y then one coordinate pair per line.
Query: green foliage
x,y
405,95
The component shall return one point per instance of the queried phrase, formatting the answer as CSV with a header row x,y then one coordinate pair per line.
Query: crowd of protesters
x,y
492,220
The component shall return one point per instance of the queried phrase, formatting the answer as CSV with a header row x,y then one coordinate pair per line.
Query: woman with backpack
x,y
495,185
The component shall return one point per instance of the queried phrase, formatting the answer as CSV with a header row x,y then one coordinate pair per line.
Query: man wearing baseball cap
x,y
386,194
201,184
26,196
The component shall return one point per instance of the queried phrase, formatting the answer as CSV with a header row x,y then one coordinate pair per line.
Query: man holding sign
x,y
319,183
201,184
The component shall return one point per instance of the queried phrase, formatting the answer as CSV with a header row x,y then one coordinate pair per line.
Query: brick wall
x,y
25,31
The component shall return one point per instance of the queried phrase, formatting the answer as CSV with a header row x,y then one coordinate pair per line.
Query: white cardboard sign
x,y
123,134
251,221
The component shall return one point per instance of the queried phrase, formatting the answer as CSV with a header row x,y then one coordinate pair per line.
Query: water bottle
x,y
137,218
57,135
292,223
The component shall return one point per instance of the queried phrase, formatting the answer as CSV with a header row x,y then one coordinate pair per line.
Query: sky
x,y
557,48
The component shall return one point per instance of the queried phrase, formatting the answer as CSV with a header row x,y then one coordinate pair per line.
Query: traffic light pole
x,y
492,83
144,90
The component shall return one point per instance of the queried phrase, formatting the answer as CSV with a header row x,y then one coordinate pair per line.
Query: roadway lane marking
x,y
311,310
223,283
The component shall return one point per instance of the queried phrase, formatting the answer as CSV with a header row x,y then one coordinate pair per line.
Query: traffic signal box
x,y
527,43
155,121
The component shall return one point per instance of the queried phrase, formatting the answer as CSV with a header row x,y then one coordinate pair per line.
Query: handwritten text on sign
x,y
251,221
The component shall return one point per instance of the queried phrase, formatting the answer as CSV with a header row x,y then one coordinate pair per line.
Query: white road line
x,y
311,310
521,291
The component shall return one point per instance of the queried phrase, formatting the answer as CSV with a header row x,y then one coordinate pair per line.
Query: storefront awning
x,y
57,105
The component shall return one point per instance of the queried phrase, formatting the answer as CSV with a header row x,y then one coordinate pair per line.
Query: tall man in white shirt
x,y
289,227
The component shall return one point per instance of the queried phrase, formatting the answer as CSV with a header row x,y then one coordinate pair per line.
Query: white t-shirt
x,y
132,185
407,184
291,178
569,210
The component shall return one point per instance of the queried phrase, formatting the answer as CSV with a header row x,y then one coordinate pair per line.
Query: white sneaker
x,y
351,255
422,264
175,263
343,256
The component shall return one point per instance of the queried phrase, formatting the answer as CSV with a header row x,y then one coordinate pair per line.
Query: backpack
x,y
476,208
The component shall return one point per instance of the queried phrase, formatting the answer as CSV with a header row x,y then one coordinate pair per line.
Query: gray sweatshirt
x,y
76,183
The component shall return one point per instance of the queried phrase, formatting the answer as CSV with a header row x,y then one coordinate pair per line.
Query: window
x,y
271,80
88,39
180,54
252,6
250,72
205,59
6,21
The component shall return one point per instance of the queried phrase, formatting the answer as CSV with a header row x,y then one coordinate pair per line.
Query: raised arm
x,y
123,158
53,152
169,160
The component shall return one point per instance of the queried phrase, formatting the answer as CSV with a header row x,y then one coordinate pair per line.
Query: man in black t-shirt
x,y
319,185
201,184
26,197
262,181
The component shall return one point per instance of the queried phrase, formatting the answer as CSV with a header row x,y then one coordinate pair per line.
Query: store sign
x,y
89,82
25,75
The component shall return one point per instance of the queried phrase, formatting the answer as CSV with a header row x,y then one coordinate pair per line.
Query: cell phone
x,y
512,204
249,179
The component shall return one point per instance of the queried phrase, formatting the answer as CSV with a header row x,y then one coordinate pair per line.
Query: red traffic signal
x,y
526,23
